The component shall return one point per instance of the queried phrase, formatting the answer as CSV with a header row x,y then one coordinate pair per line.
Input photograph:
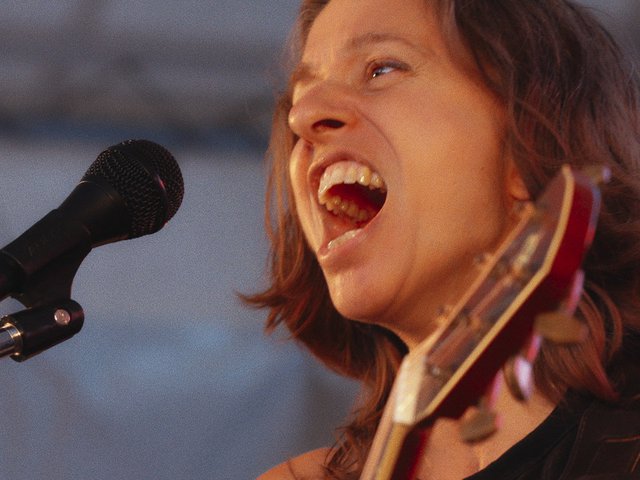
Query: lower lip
x,y
346,244
340,246
345,237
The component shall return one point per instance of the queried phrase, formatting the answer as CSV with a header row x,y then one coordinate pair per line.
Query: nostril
x,y
327,124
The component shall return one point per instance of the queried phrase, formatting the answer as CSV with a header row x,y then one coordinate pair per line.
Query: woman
x,y
408,136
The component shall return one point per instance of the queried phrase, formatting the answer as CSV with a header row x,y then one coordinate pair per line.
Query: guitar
x,y
528,289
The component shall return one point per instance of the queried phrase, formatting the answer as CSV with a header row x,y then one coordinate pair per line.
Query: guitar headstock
x,y
536,270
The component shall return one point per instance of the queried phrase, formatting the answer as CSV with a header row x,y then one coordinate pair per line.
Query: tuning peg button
x,y
518,377
479,424
482,421
598,174
559,327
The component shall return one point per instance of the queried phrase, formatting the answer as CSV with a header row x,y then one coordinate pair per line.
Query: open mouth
x,y
352,192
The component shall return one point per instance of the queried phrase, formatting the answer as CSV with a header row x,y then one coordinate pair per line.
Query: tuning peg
x,y
523,207
518,377
518,370
479,424
481,260
482,421
598,174
559,327
443,314
573,295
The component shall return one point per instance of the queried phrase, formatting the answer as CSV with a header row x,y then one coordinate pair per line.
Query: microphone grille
x,y
148,179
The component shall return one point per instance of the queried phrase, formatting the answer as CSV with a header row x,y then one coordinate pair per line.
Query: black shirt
x,y
580,440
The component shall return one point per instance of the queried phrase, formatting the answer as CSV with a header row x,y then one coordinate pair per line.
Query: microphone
x,y
132,189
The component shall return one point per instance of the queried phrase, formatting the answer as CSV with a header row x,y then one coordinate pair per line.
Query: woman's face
x,y
398,174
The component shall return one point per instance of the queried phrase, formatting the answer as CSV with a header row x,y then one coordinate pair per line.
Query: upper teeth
x,y
350,172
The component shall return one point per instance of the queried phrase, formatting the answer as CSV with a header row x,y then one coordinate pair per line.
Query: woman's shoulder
x,y
308,466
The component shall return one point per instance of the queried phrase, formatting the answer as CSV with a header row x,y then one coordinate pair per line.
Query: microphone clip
x,y
39,266
31,331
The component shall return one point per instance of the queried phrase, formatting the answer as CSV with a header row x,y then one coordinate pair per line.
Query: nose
x,y
322,112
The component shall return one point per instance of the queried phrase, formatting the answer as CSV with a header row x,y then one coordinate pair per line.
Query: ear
x,y
516,188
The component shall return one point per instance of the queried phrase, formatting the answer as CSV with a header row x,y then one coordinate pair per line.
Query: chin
x,y
360,304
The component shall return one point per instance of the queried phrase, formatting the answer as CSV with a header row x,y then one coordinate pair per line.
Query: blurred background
x,y
171,376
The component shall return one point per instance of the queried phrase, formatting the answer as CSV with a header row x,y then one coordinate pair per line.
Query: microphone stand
x,y
51,316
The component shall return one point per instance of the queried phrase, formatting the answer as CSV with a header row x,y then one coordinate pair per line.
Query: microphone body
x,y
131,190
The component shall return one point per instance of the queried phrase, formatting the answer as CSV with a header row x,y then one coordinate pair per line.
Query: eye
x,y
379,68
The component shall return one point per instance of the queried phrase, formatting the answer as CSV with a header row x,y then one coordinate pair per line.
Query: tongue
x,y
366,198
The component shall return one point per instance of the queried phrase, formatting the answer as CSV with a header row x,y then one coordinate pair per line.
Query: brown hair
x,y
569,97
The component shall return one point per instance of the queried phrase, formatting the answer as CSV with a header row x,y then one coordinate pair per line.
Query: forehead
x,y
351,24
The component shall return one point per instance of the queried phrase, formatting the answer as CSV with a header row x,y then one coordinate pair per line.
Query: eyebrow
x,y
305,71
372,38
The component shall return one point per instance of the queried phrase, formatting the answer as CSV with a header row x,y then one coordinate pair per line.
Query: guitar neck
x,y
398,453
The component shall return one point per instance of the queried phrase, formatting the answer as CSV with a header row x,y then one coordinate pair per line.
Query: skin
x,y
377,85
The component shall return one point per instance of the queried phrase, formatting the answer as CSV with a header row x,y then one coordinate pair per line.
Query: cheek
x,y
297,170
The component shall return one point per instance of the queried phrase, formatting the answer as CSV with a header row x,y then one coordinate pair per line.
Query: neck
x,y
447,457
